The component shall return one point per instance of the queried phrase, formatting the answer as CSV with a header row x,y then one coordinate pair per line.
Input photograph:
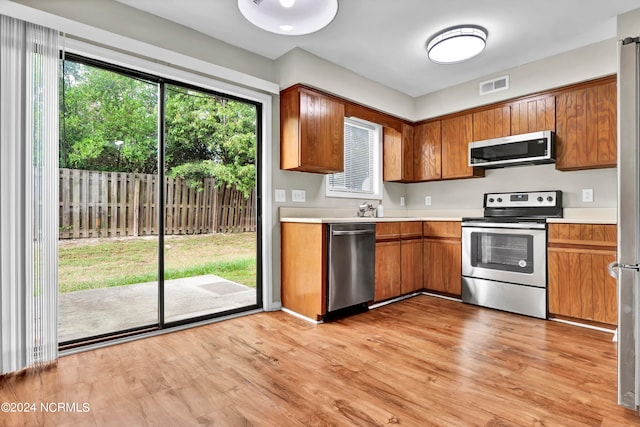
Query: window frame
x,y
377,192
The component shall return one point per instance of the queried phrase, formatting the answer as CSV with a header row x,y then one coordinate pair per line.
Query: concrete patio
x,y
98,311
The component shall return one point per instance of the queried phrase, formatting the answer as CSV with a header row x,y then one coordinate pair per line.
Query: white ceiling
x,y
384,40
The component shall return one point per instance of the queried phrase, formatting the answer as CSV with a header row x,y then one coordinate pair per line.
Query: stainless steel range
x,y
504,253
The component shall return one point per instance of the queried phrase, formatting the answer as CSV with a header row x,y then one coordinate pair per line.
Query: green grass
x,y
100,263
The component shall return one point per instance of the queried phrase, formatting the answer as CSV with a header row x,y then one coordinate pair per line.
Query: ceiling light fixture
x,y
289,17
456,44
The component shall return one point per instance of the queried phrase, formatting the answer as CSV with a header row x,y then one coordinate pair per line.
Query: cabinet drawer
x,y
598,235
388,230
411,230
443,229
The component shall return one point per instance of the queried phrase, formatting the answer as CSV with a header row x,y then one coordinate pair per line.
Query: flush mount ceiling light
x,y
456,44
289,17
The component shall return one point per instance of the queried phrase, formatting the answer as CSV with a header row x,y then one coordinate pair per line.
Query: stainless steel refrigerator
x,y
628,262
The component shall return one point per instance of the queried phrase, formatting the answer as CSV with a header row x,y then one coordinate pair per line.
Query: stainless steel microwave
x,y
526,149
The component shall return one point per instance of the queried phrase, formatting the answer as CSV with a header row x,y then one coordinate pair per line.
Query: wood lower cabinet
x,y
387,270
579,284
398,259
387,281
457,132
442,254
411,257
586,126
311,131
303,268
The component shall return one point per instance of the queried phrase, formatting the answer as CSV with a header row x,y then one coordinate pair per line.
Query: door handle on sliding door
x,y
614,266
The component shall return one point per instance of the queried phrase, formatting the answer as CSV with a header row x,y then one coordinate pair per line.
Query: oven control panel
x,y
529,199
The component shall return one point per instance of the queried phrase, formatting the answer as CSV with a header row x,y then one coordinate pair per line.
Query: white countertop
x,y
587,216
324,215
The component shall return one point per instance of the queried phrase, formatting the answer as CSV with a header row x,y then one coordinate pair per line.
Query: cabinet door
x,y
391,155
493,123
586,127
411,268
427,147
321,133
387,270
533,115
397,153
579,285
311,131
457,133
443,266
303,265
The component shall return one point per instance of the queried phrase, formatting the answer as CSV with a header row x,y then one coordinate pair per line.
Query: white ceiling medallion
x,y
289,17
456,44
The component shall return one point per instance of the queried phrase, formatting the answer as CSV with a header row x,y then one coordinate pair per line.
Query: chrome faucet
x,y
366,207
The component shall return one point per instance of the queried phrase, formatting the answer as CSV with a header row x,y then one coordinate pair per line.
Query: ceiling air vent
x,y
494,85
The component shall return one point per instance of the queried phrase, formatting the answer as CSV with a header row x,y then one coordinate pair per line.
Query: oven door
x,y
504,253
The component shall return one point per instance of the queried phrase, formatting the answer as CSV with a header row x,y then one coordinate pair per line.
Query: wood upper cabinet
x,y
398,162
579,284
586,127
533,115
311,131
442,255
457,132
427,150
493,123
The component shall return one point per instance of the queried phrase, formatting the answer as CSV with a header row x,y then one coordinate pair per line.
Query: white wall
x,y
468,193
582,64
300,66
629,24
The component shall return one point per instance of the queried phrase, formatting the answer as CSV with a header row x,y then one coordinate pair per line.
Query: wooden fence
x,y
114,204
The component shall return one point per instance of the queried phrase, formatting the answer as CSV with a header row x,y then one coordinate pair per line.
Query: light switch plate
x,y
427,200
298,195
401,201
280,195
587,195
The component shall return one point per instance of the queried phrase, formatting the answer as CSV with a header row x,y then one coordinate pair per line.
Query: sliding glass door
x,y
210,204
108,257
158,203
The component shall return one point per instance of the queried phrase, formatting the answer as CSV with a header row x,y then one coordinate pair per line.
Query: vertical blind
x,y
28,194
359,160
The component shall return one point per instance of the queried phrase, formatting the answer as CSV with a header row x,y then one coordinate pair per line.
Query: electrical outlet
x,y
401,201
427,200
298,195
587,195
280,195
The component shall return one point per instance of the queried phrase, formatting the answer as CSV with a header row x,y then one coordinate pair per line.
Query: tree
x,y
110,124
209,136
101,107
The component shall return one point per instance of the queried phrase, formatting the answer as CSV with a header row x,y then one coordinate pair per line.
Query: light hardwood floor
x,y
420,362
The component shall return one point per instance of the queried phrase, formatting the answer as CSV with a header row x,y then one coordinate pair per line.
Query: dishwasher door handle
x,y
351,232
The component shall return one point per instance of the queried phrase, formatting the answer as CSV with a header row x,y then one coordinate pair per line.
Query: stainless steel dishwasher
x,y
351,264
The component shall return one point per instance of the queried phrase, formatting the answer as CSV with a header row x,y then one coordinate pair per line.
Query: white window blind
x,y
362,163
